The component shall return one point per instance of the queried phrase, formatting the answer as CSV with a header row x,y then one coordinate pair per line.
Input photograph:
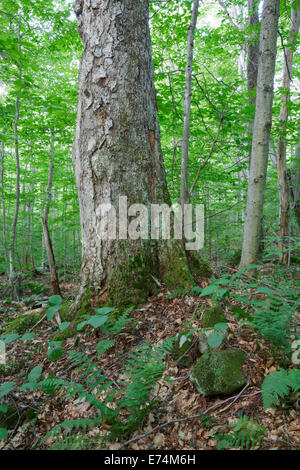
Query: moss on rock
x,y
174,266
22,323
212,316
182,347
219,372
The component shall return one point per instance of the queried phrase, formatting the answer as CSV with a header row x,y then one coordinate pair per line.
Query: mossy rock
x,y
22,323
203,339
10,368
182,345
219,372
212,316
10,418
199,266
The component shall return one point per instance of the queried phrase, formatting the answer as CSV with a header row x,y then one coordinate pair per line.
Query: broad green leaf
x,y
55,300
64,325
35,374
6,388
3,433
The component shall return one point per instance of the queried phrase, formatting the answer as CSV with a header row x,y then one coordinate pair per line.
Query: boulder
x,y
219,372
213,315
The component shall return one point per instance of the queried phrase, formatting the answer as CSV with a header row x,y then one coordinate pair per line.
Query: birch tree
x,y
261,132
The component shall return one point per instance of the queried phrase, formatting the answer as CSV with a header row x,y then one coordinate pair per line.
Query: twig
x,y
181,420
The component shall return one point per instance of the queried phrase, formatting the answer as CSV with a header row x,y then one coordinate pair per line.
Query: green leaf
x,y
208,290
35,374
3,408
104,310
55,300
63,326
10,338
221,327
3,433
55,350
95,321
214,340
6,388
27,337
51,312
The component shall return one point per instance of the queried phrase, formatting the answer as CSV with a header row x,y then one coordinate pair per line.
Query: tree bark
x,y
294,182
283,185
13,276
261,132
252,62
47,239
184,194
117,152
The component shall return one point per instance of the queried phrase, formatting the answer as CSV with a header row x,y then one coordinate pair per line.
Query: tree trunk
x,y
47,239
294,182
13,276
281,161
261,132
184,194
117,153
252,63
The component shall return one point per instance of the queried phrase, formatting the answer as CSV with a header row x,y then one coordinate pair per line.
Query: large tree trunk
x,y
117,152
184,193
283,185
261,132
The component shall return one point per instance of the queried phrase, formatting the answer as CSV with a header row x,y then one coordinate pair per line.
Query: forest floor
x,y
179,401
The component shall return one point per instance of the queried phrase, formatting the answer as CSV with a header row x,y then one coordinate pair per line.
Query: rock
x,y
203,337
182,344
212,316
219,372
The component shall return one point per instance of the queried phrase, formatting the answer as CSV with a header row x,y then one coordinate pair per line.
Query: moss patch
x,y
219,372
174,267
22,323
198,265
212,316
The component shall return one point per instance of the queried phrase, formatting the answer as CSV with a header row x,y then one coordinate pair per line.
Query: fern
x,y
74,442
183,292
246,434
280,384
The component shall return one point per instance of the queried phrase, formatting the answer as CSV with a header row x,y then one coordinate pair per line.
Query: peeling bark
x,y
117,151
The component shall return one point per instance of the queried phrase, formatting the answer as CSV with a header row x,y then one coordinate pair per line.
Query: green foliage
x,y
280,385
184,292
246,434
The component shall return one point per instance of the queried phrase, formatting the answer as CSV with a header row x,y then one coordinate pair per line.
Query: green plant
x,y
280,386
246,434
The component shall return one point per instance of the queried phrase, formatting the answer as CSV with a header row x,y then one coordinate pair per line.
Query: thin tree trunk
x,y
294,182
261,133
281,161
184,195
6,254
13,276
47,239
117,153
